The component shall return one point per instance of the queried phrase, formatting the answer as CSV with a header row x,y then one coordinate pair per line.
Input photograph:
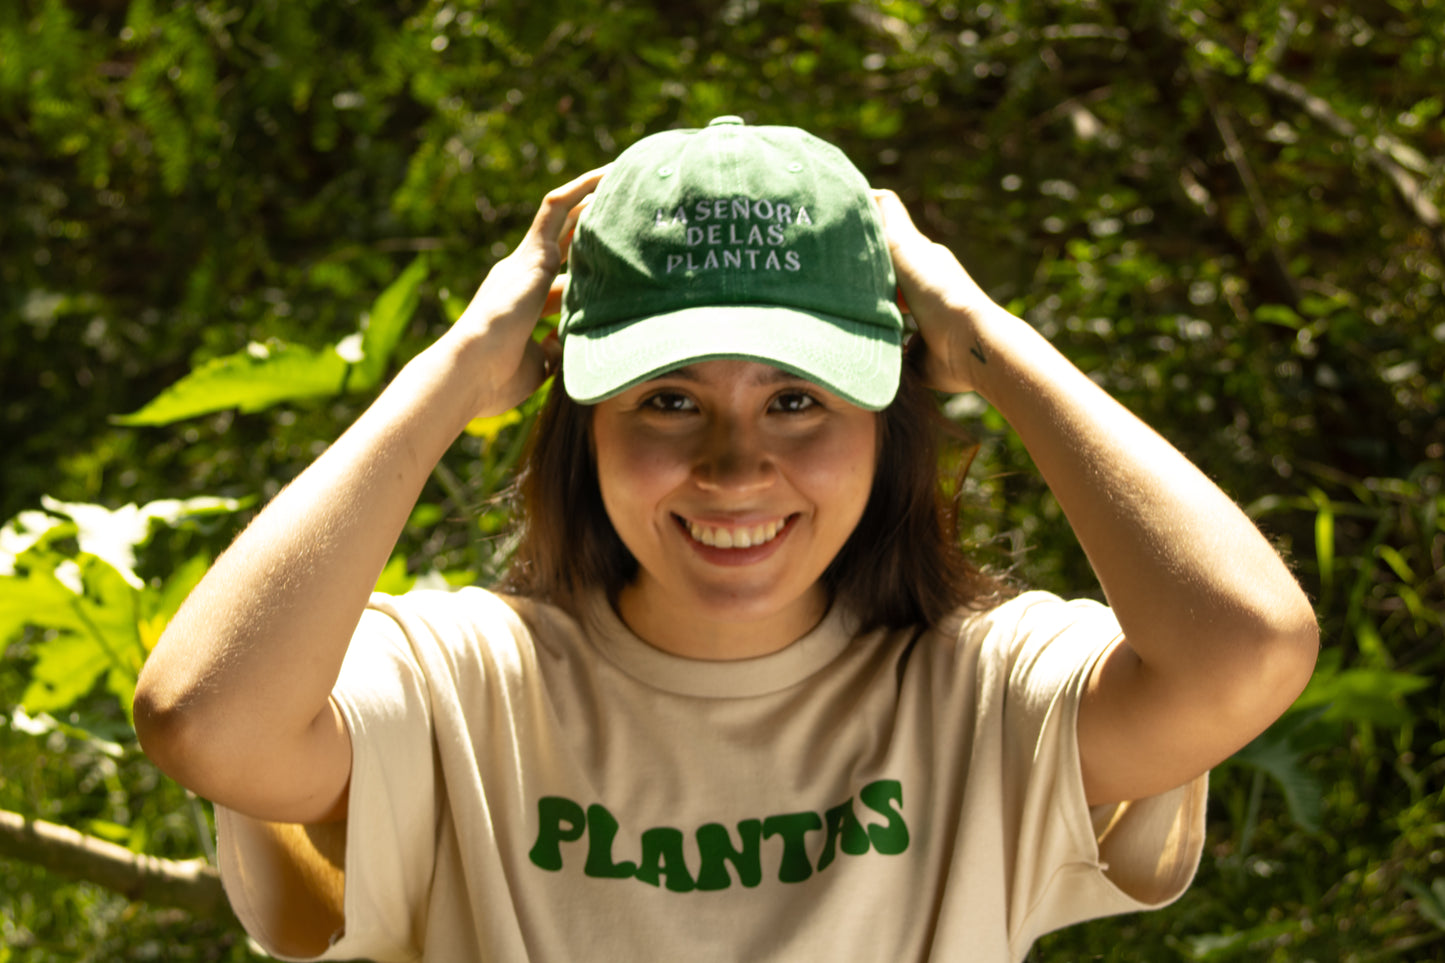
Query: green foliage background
x,y
1227,211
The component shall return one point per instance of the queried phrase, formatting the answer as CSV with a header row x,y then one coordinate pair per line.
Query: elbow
x,y
1286,651
1303,643
157,723
166,723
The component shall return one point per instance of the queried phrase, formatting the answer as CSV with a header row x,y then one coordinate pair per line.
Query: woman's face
x,y
734,484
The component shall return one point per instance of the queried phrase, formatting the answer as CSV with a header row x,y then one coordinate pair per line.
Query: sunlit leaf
x,y
20,534
1324,540
394,578
35,598
179,585
1278,314
66,668
113,535
250,381
90,634
386,321
490,428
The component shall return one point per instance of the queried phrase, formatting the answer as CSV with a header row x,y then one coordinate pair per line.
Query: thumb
x,y
554,296
527,378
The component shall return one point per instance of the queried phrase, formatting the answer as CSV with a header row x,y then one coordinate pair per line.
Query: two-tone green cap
x,y
732,242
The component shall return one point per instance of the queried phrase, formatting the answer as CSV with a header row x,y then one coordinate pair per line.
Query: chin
x,y
760,603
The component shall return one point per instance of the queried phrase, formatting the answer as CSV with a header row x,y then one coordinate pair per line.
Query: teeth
x,y
745,537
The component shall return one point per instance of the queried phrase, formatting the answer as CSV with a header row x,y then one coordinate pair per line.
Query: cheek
x,y
632,475
841,466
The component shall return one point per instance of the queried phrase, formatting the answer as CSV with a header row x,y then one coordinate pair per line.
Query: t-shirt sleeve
x,y
391,811
1073,863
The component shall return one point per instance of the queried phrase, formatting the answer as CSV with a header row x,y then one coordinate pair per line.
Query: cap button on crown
x,y
726,119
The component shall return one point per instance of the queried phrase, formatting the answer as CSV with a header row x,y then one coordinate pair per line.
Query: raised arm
x,y
234,702
1218,637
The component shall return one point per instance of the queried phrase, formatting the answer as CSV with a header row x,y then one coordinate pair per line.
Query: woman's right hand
x,y
234,700
518,290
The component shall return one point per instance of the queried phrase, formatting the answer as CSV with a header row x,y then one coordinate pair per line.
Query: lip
x,y
733,556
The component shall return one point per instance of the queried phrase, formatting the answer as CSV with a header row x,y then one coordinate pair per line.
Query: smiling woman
x,y
739,641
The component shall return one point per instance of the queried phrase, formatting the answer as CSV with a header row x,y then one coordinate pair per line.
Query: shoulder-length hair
x,y
902,566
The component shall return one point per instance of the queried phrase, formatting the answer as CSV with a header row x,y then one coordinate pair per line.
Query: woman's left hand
x,y
1218,638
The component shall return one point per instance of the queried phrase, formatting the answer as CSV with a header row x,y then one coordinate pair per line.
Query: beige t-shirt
x,y
528,787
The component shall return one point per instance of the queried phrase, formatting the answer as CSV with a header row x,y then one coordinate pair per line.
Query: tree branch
x,y
1279,264
1408,187
190,884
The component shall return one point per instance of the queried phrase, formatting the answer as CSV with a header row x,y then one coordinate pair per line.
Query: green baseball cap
x,y
732,241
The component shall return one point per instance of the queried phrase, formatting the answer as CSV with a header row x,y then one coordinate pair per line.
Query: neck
x,y
715,633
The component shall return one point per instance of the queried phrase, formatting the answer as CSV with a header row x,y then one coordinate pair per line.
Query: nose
x,y
733,457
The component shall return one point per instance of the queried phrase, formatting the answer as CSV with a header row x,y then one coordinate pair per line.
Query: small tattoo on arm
x,y
977,352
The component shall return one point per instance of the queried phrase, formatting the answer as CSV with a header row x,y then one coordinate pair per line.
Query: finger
x,y
569,226
559,203
896,219
920,354
527,378
554,296
551,352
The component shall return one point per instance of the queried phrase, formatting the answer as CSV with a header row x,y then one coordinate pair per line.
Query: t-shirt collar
x,y
716,679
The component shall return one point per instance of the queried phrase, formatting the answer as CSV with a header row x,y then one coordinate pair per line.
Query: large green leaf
x,y
35,597
113,535
385,323
91,632
67,667
251,380
21,533
264,375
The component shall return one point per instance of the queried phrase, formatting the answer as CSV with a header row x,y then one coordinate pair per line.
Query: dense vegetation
x,y
1227,211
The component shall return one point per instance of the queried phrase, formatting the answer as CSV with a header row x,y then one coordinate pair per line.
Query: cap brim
x,y
858,362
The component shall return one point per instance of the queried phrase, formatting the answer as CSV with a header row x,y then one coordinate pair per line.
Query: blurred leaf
x,y
67,667
388,317
1372,696
265,375
184,577
35,597
250,381
1280,753
96,632
1397,563
489,428
1430,902
1324,541
114,535
20,534
1279,314
1227,946
394,579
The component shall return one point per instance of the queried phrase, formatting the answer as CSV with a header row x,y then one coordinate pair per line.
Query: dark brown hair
x,y
903,565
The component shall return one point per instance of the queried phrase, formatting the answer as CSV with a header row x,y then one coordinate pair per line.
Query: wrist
x,y
442,388
985,341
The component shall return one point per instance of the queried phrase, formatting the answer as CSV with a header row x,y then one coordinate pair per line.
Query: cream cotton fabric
x,y
530,787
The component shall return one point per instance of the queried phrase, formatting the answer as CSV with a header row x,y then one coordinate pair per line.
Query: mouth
x,y
735,536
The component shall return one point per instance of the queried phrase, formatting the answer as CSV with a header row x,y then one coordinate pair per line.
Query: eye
x,y
793,402
669,402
